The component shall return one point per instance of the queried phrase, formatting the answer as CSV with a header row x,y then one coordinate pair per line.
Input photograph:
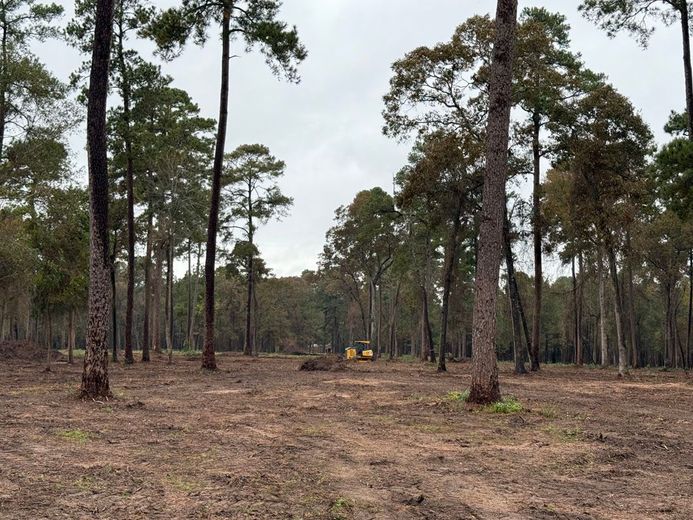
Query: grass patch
x,y
181,484
508,404
340,508
458,396
565,434
550,412
74,435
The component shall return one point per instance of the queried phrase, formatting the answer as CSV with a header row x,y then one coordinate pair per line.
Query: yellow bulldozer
x,y
359,351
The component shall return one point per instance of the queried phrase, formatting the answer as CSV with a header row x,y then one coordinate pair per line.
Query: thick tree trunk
x,y
484,386
537,234
95,373
146,335
602,310
379,323
448,269
618,312
208,358
514,299
427,347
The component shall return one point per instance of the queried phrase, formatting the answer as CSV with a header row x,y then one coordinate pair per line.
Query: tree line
x,y
417,272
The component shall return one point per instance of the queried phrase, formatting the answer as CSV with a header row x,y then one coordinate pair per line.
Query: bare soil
x,y
261,439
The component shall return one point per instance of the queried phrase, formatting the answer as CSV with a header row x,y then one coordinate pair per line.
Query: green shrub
x,y
508,404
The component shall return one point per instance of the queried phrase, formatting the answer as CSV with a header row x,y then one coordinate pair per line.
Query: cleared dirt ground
x,y
259,439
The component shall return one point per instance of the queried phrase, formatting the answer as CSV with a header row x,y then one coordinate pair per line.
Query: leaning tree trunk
x,y
536,231
208,358
618,312
146,335
485,387
95,372
514,298
448,268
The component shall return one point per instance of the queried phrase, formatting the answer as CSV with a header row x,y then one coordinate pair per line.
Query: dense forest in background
x,y
397,269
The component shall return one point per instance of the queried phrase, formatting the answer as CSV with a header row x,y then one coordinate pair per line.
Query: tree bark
x,y
537,234
427,346
484,386
95,373
146,335
208,357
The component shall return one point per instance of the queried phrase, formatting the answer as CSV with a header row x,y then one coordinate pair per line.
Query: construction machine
x,y
359,351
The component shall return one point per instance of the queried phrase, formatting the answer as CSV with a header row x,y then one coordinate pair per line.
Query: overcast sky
x,y
328,128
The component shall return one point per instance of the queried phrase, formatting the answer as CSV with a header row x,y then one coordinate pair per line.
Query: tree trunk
x,y
248,347
188,332
448,269
379,323
71,336
427,347
631,307
191,338
514,298
688,74
618,312
49,341
146,335
114,306
208,358
602,310
484,386
129,181
690,309
393,319
156,297
537,232
95,373
169,297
